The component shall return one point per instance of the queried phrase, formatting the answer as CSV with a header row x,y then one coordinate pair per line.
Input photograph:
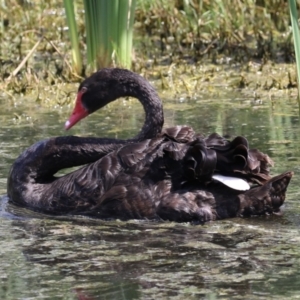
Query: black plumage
x,y
159,174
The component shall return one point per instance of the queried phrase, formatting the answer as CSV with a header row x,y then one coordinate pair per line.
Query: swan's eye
x,y
83,90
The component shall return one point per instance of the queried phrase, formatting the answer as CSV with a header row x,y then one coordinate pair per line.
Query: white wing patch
x,y
232,182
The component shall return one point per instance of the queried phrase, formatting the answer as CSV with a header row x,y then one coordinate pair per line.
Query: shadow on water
x,y
47,257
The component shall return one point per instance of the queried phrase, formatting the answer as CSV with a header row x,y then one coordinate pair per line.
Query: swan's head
x,y
98,90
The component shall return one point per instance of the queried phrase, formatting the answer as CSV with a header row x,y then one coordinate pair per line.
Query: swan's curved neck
x,y
139,88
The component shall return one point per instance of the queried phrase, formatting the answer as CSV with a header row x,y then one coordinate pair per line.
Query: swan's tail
x,y
267,198
214,202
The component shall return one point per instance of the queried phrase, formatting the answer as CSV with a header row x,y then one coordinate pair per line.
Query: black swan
x,y
166,175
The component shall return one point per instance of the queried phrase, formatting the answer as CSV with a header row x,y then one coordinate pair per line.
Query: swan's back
x,y
163,178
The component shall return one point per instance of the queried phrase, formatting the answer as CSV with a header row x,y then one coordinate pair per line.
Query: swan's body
x,y
164,175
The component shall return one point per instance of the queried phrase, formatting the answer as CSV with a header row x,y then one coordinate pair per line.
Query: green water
x,y
43,257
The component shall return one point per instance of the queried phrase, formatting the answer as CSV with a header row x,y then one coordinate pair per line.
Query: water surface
x,y
43,257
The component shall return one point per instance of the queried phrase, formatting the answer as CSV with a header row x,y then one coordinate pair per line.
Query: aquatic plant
x,y
109,29
296,35
73,33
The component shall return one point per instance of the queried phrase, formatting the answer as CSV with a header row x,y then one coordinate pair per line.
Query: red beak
x,y
79,111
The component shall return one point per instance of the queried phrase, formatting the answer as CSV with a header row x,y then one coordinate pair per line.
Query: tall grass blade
x,y
73,33
90,40
130,23
296,34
